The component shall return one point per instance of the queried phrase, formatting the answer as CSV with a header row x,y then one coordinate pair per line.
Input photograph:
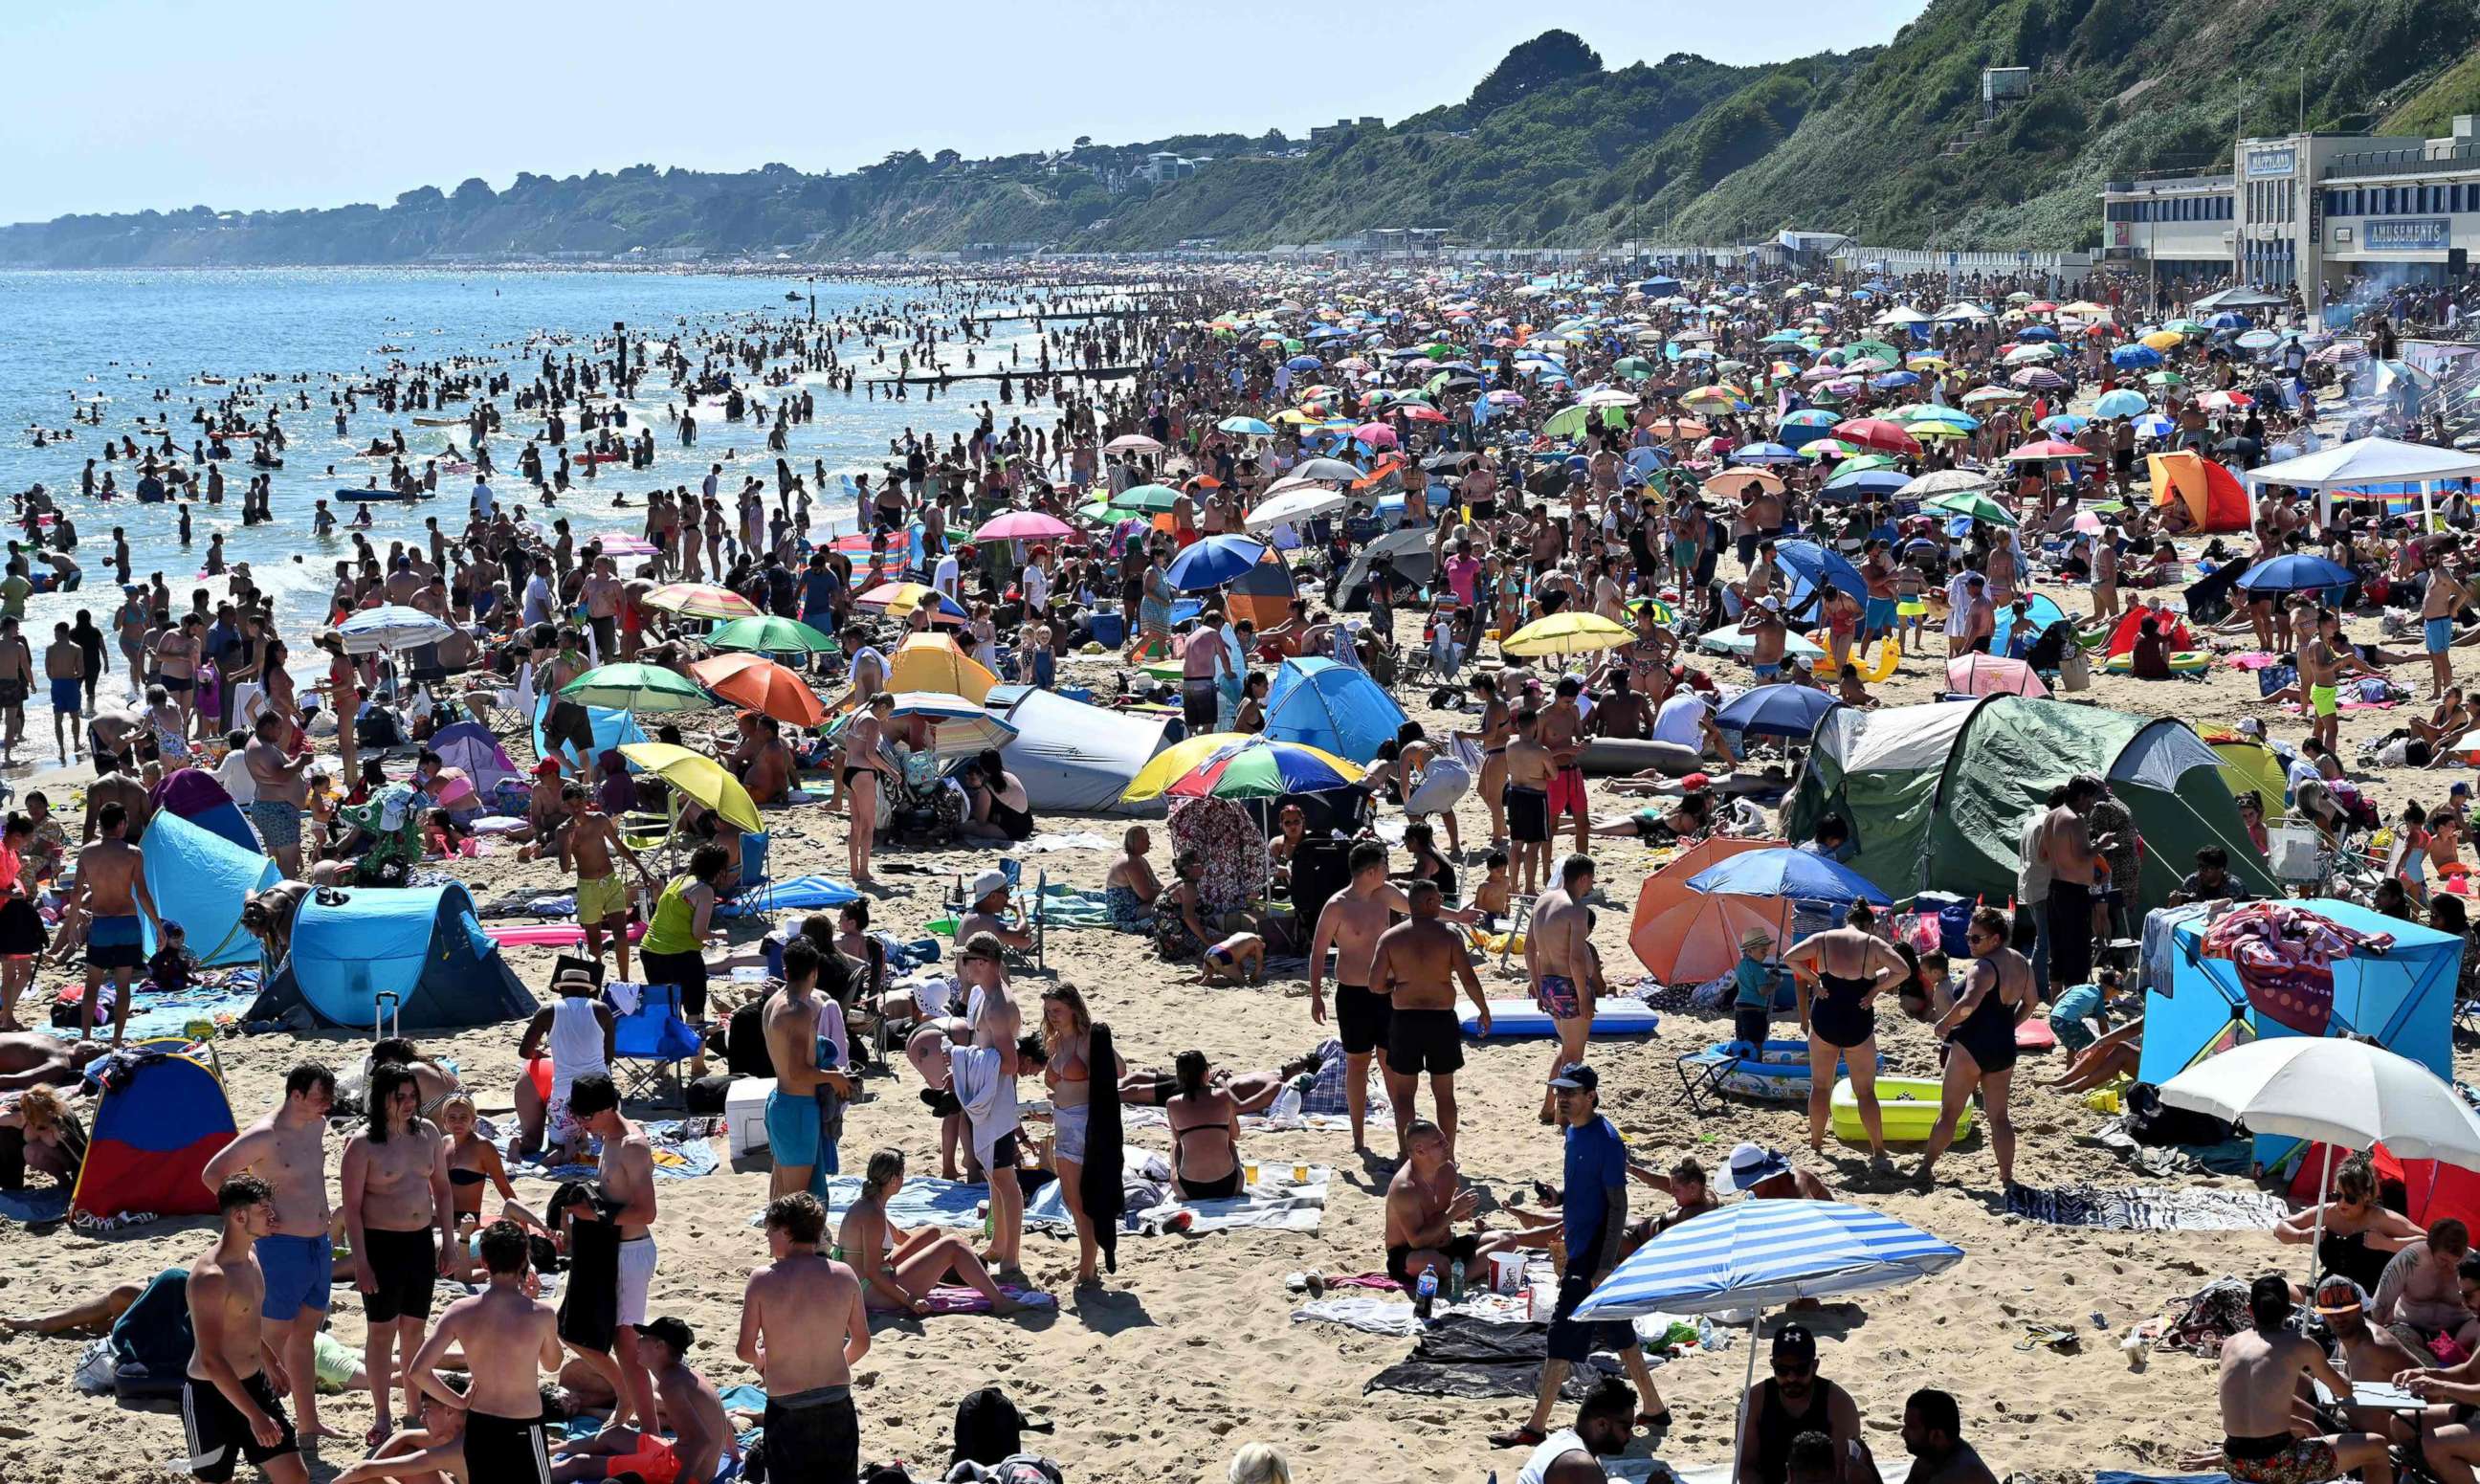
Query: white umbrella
x,y
2335,1091
1305,502
391,626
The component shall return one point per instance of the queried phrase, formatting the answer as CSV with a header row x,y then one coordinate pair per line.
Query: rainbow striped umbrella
x,y
1264,769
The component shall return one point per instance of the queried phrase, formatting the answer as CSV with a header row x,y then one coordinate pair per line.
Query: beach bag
x,y
989,1428
2152,1122
2075,671
1919,931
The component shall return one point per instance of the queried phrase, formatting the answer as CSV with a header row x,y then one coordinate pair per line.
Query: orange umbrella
x,y
762,686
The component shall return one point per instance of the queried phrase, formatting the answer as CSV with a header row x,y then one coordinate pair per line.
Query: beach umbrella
x,y
697,600
1763,453
2038,378
766,633
636,687
2121,402
700,778
1246,427
2135,357
1980,674
1982,396
1375,436
1775,711
1854,484
1802,876
1566,633
1306,503
1635,368
1178,761
1022,526
2153,425
1214,561
1974,504
391,626
1733,484
1757,1254
2164,378
1877,432
1324,469
2295,572
762,686
1150,499
1263,767
2045,451
900,599
1944,482
958,726
1132,443
2224,402
932,661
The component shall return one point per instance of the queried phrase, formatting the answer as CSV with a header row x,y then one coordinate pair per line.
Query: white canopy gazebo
x,y
2366,462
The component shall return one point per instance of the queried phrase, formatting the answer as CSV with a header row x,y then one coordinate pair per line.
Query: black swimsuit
x,y
1838,1017
1988,1034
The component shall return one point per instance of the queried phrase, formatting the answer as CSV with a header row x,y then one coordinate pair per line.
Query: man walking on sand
x,y
510,1339
1417,966
803,1328
1352,924
296,1257
1558,957
229,1409
112,887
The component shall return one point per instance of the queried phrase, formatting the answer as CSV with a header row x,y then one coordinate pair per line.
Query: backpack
x,y
989,1427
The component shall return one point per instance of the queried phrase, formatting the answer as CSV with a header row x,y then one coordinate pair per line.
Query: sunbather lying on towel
x,y
1253,1091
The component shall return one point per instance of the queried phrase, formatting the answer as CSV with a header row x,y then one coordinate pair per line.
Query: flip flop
x,y
1654,1421
1519,1437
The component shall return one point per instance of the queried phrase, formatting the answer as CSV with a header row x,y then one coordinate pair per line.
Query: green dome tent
x,y
1937,795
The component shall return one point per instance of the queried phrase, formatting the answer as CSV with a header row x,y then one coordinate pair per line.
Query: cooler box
x,y
1110,630
744,1114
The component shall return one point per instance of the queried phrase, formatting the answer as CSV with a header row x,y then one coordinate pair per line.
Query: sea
x,y
142,339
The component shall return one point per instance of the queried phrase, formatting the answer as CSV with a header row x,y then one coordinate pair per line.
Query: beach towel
x,y
947,1299
2147,1208
680,1153
32,1206
1461,1355
1079,840
547,935
799,894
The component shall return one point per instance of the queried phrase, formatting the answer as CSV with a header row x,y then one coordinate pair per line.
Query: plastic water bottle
x,y
1705,1336
1456,1282
1425,1294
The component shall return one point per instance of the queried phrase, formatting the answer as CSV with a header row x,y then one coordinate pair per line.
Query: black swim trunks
x,y
1574,1341
1362,1016
1399,1257
504,1451
217,1436
568,723
1527,815
405,1265
1421,1041
814,1435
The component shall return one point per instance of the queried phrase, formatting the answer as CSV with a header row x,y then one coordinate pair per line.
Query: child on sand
x,y
1238,958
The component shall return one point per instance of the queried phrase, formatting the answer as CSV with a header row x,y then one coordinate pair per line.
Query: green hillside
x,y
1550,148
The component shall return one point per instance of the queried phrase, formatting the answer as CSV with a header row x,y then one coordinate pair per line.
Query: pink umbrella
x,y
1377,435
2086,522
1022,526
1978,674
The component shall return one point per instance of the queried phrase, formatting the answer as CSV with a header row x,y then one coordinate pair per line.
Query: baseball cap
x,y
671,1332
1694,781
987,882
1576,1077
1794,1343
2339,1294
547,767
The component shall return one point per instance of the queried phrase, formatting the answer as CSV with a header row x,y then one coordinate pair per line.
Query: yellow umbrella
x,y
2163,339
1566,633
1176,762
932,661
692,600
1930,427
699,777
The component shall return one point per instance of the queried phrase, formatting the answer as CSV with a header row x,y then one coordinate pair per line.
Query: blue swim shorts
x,y
298,1271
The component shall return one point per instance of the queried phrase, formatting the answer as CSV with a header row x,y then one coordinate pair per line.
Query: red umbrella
x,y
1375,434
1415,412
1875,432
762,686
2045,449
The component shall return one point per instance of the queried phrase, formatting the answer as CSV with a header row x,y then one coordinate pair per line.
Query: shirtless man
x,y
794,1041
997,1023
1563,732
1417,965
65,668
1425,1201
2370,1353
2258,1388
588,841
510,1339
2074,857
1768,635
626,1186
2448,595
229,1409
111,888
395,1190
701,1433
769,775
38,1059
287,1151
1352,924
1558,959
283,790
601,595
568,730
2323,665
16,679
1531,768
803,1329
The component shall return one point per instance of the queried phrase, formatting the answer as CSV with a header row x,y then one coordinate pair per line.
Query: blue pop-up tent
x,y
2403,999
423,945
201,879
1325,703
612,727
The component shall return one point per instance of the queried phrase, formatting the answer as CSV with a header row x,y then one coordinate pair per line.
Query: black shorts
x,y
405,1265
504,1451
219,1438
1399,1258
1004,1155
1527,815
1361,1016
1750,1023
1483,510
569,723
1572,1341
813,1436
1421,1041
688,972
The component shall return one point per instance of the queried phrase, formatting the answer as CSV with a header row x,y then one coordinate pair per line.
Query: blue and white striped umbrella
x,y
1758,1254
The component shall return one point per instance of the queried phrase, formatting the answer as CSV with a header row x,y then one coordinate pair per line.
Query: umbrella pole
x,y
1739,1429
2324,1189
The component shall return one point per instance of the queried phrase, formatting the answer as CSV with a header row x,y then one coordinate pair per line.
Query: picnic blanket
x,y
1077,840
797,894
952,1298
1461,1355
683,1151
2147,1208
32,1206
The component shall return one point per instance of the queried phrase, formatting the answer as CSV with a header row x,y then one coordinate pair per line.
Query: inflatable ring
x,y
2183,662
1889,655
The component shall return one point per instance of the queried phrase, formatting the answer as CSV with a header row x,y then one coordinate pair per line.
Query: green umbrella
x,y
1865,461
1152,499
1570,422
636,687
1097,513
772,636
1979,507
2166,378
1876,348
1634,367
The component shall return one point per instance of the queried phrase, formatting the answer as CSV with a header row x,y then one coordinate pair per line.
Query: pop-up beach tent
x,y
469,747
421,943
1263,594
612,728
1330,705
162,1117
1936,797
201,880
2215,499
1073,757
2401,995
195,794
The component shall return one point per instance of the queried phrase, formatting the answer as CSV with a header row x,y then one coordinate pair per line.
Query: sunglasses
x,y
1799,1369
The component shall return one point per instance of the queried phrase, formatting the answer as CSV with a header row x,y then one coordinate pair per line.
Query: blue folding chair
x,y
755,878
657,1039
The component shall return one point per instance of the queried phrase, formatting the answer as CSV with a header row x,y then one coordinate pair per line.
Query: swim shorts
x,y
1879,614
1567,792
2324,700
405,1265
1575,1342
792,1127
1418,1041
1768,671
654,1462
1912,608
2302,1461
1527,815
505,1448
278,822
814,1435
1557,994
298,1271
636,1275
219,1438
1363,1017
67,692
2439,633
601,898
567,723
1399,1257
114,942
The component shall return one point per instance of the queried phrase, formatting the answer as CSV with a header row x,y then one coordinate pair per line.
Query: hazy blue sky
x,y
119,105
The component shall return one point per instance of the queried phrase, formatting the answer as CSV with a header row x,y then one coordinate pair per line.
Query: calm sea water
x,y
128,335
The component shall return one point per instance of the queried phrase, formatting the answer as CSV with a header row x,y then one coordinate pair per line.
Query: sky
x,y
122,105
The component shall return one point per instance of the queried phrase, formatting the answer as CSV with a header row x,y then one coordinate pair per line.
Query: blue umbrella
x,y
2295,573
2036,332
1867,482
2153,425
1764,453
1895,379
1214,561
1756,1254
1800,875
2120,402
1304,363
2135,357
1811,567
1775,711
2066,425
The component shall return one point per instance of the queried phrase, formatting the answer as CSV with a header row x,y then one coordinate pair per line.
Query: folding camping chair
x,y
655,837
1037,919
653,1039
1703,1080
757,879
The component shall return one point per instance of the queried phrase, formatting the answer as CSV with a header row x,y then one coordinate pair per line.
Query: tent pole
x,y
1739,1432
2324,1190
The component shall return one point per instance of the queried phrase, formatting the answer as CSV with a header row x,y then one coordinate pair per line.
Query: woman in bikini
x,y
898,1268
1204,1133
1496,729
860,766
1840,973
1067,1035
474,1169
22,938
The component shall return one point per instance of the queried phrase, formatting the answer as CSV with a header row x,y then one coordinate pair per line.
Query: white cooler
x,y
744,1114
